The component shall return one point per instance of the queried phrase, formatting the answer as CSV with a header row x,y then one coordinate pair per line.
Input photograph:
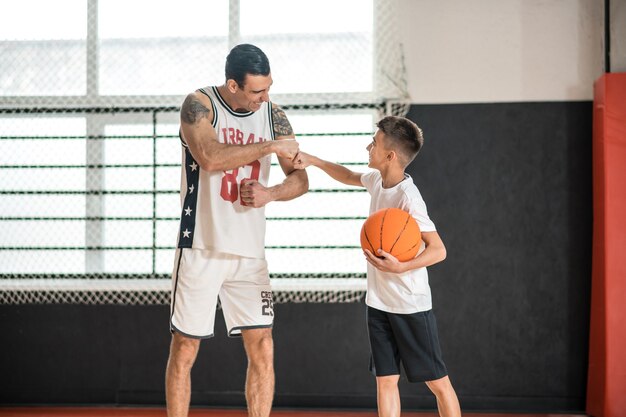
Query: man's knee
x,y
259,347
183,351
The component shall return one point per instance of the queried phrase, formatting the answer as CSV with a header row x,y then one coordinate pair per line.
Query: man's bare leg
x,y
183,352
260,376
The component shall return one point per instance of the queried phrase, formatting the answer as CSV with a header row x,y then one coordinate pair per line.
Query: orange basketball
x,y
393,230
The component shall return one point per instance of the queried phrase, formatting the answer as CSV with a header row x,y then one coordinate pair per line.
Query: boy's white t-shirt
x,y
409,292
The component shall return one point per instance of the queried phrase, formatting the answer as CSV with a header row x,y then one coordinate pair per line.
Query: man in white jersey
x,y
400,321
228,134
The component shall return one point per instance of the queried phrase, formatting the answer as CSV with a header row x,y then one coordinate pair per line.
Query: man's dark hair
x,y
246,59
406,137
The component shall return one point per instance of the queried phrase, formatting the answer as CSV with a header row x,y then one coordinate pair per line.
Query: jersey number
x,y
230,188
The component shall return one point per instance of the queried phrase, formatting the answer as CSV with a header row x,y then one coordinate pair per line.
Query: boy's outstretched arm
x,y
336,171
434,252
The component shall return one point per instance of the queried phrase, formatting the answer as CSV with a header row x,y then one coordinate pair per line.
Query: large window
x,y
89,155
149,47
40,55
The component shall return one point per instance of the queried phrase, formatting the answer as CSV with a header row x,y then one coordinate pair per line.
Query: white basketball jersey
x,y
213,216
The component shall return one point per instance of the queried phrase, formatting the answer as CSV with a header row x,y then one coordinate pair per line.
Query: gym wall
x,y
503,92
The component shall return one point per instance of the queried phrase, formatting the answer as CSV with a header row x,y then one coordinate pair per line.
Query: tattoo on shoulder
x,y
282,127
192,110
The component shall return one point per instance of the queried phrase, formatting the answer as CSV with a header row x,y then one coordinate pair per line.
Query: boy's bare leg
x,y
388,396
447,401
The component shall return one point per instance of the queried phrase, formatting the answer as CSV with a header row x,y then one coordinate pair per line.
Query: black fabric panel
x,y
509,188
77,354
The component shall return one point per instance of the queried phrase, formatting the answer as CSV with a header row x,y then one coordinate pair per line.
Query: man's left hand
x,y
254,194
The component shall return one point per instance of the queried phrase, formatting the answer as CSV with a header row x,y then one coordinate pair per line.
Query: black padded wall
x,y
509,188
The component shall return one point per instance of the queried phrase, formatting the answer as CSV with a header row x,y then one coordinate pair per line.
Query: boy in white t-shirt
x,y
401,324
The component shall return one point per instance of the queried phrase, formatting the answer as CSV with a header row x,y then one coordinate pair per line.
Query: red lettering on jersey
x,y
236,137
254,175
232,136
230,189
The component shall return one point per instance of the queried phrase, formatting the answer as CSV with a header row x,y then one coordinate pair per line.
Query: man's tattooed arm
x,y
282,127
296,181
193,110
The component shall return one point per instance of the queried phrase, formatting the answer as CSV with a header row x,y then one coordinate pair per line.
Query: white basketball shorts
x,y
201,276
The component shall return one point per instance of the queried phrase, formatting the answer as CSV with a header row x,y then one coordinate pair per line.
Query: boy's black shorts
x,y
410,339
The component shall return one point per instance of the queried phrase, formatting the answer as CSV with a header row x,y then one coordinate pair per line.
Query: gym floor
x,y
203,412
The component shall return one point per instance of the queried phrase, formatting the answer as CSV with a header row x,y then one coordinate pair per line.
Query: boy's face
x,y
377,150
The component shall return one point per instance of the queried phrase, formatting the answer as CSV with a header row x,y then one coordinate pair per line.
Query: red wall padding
x,y
606,389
